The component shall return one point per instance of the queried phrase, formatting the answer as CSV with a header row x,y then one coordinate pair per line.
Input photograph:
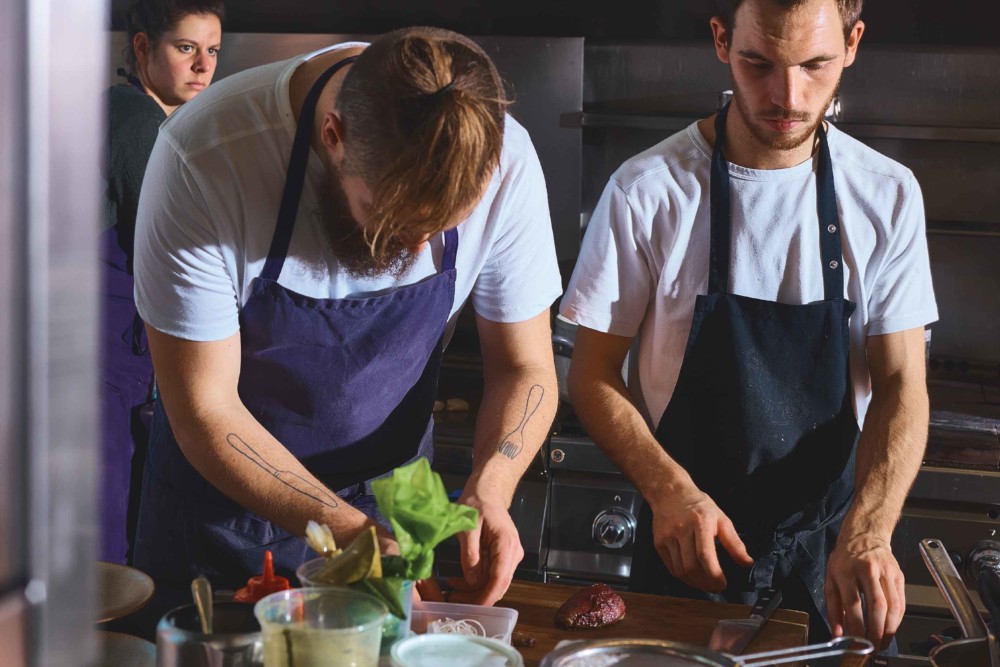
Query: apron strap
x,y
831,251
450,250
718,269
296,176
829,223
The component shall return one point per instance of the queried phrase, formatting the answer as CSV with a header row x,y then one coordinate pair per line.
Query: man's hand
x,y
490,553
386,542
864,567
684,530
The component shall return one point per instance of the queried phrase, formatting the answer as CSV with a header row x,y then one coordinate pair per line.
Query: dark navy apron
x,y
346,385
762,418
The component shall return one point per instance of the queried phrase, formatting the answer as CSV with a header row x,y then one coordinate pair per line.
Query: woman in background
x,y
171,57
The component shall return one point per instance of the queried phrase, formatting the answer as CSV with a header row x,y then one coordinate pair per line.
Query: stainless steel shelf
x,y
963,228
867,130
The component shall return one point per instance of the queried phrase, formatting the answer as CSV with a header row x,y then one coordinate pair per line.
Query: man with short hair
x,y
308,232
772,273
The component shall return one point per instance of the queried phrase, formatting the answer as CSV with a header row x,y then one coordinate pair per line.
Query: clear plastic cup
x,y
393,629
320,627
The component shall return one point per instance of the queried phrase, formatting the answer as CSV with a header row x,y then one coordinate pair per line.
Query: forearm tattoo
x,y
290,479
513,442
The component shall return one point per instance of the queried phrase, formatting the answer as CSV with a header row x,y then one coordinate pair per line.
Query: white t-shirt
x,y
645,256
210,200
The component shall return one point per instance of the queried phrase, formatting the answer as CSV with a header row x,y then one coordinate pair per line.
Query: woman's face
x,y
182,63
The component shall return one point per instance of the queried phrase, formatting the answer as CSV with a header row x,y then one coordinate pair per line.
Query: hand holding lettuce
x,y
415,503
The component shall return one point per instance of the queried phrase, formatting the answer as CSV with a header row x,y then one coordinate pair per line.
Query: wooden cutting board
x,y
646,617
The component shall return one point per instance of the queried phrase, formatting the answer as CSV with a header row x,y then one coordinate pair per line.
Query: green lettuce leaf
x,y
414,501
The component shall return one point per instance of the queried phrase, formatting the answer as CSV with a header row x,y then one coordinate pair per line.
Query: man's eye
x,y
813,67
213,52
185,48
756,64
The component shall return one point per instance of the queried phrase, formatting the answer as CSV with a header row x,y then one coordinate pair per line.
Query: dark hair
x,y
157,17
850,12
423,116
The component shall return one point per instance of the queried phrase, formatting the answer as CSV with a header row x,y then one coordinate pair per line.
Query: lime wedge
x,y
359,561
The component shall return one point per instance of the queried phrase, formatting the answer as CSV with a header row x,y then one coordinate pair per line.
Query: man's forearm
x,y
889,454
615,424
242,459
513,421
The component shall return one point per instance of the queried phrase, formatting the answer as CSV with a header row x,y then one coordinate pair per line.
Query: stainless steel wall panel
x,y
923,86
966,273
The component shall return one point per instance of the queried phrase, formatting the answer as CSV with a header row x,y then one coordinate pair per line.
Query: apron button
x,y
834,264
831,228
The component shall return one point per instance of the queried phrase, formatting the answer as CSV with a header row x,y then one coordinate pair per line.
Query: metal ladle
x,y
201,590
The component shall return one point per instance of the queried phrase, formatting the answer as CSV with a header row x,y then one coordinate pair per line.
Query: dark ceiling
x,y
961,22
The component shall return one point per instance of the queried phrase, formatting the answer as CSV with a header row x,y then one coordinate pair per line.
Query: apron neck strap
x,y
718,258
297,165
829,222
826,209
450,250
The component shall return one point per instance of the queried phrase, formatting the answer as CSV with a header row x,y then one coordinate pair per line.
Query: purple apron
x,y
347,385
126,387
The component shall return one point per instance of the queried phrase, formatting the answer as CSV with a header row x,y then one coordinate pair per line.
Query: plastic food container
x,y
454,651
498,622
321,627
393,629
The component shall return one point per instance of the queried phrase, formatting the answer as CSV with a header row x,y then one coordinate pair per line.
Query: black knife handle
x,y
989,591
768,600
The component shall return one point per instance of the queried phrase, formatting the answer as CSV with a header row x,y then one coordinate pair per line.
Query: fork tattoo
x,y
513,442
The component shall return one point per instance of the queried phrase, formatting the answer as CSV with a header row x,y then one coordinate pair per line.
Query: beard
x,y
348,241
767,137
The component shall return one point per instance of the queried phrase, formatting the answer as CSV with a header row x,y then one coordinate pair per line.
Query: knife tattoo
x,y
513,442
290,479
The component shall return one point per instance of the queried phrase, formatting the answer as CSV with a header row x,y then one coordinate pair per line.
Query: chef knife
x,y
732,635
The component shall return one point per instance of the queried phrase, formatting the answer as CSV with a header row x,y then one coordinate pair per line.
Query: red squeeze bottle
x,y
267,583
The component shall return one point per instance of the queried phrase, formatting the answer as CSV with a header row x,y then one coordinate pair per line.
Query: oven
x,y
592,513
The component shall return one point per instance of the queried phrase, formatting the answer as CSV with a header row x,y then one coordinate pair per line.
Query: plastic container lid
x,y
264,585
454,651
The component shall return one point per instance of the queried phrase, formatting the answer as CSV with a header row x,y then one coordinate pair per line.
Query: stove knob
x,y
614,528
984,556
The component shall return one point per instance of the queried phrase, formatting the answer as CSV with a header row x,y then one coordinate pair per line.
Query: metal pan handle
x,y
841,646
952,588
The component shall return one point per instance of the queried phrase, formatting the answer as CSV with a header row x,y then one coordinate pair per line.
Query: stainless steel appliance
x,y
592,514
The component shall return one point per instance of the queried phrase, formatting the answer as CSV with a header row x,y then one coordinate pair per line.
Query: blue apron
x,y
346,385
762,418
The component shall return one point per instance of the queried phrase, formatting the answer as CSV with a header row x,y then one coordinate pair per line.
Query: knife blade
x,y
731,635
